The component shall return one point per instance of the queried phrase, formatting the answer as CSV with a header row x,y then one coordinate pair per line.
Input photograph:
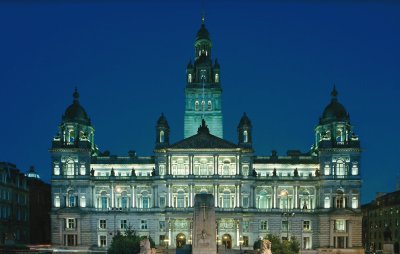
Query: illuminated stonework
x,y
96,194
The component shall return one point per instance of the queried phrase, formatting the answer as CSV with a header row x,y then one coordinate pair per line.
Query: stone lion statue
x,y
145,246
265,247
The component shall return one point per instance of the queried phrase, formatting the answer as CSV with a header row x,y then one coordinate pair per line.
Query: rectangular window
x,y
124,224
102,224
245,226
162,202
70,223
264,225
307,243
327,202
102,240
143,224
306,225
57,201
340,225
285,225
162,225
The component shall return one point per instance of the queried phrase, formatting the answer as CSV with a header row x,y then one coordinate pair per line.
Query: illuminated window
x,y
203,105
196,105
82,202
69,168
56,169
161,136
82,169
340,168
340,225
354,203
209,105
354,170
327,202
57,201
327,170
245,137
216,78
190,78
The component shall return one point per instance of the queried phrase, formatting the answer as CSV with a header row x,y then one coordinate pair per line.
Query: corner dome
x,y
335,111
75,113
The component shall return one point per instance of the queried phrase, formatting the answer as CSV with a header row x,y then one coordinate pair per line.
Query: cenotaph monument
x,y
204,225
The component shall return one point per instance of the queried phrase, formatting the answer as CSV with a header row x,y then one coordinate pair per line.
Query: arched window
x,y
203,105
57,201
124,200
327,202
69,168
340,168
354,170
82,202
327,170
340,201
82,169
245,136
71,136
104,200
263,202
145,200
225,169
354,203
209,107
56,169
181,199
305,200
196,105
71,199
216,78
226,199
161,136
190,78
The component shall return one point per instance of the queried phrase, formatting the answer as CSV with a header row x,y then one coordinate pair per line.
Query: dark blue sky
x,y
279,62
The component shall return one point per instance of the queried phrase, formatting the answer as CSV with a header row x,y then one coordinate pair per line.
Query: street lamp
x,y
287,214
240,243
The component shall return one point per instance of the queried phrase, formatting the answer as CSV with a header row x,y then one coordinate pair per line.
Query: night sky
x,y
279,62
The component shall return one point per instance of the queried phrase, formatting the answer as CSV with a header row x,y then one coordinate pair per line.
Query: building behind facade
x,y
381,222
14,205
39,208
313,196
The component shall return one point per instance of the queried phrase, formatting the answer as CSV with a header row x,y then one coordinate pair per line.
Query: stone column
x,y
215,195
296,196
274,197
112,196
133,196
191,195
237,165
215,165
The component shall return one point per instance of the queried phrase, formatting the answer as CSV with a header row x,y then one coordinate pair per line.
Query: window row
x,y
122,224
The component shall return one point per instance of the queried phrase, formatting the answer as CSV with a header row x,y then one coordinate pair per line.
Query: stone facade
x,y
313,196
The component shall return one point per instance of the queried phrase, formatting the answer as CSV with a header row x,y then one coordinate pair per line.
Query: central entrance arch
x,y
227,241
180,240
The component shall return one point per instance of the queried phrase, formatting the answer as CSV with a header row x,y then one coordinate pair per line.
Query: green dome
x,y
75,113
334,112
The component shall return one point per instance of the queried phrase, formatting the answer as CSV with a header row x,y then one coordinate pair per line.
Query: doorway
x,y
227,241
180,240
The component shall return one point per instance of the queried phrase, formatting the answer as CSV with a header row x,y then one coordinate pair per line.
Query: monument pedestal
x,y
388,248
204,225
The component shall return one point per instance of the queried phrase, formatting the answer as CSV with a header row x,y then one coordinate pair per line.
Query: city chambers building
x,y
312,196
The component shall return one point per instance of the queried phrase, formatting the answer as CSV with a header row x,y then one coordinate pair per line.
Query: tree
x,y
280,247
125,244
